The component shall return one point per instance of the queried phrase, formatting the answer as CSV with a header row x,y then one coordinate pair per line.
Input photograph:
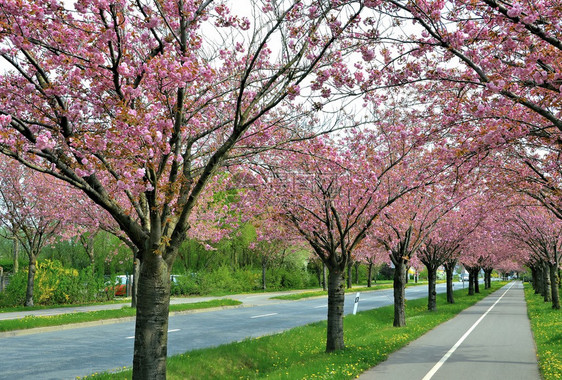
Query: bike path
x,y
490,340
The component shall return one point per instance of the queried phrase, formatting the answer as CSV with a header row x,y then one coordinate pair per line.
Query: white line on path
x,y
173,330
263,315
436,367
318,307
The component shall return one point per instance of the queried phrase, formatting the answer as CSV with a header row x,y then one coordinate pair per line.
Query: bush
x,y
185,285
55,284
14,293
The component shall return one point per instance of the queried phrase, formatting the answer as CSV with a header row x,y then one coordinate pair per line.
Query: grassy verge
x,y
546,324
65,319
369,337
43,307
384,285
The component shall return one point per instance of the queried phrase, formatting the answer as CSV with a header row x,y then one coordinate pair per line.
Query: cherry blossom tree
x,y
139,103
373,254
405,228
541,232
331,193
35,209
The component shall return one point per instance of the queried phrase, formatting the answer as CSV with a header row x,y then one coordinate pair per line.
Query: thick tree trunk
x,y
30,280
370,275
151,329
349,273
449,275
356,266
431,292
539,281
476,283
336,297
555,281
399,295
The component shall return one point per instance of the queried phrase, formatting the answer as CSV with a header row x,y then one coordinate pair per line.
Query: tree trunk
x,y
547,288
449,275
431,292
324,278
16,250
263,271
547,296
399,295
349,273
136,275
30,279
476,283
336,298
470,282
370,275
356,265
539,280
555,281
151,329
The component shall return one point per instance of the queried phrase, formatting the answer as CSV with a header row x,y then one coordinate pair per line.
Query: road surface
x,y
68,353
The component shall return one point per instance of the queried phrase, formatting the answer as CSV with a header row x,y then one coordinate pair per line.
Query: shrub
x,y
185,285
14,293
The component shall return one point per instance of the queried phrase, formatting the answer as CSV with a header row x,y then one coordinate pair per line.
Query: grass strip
x,y
546,324
300,353
30,322
319,293
43,307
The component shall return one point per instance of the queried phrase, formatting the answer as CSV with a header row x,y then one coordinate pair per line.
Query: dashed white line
x,y
318,307
263,315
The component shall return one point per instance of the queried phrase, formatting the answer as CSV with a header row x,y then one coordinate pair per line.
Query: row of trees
x,y
148,109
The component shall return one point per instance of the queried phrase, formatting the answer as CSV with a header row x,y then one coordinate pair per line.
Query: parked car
x,y
120,285
464,277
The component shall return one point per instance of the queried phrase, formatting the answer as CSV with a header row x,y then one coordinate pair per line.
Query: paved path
x,y
490,340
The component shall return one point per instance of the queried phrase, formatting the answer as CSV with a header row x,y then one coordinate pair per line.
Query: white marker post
x,y
356,304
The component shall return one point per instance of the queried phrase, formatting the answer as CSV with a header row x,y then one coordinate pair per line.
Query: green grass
x,y
319,293
30,322
43,307
546,324
369,338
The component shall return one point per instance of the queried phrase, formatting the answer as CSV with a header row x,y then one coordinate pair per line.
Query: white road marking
x,y
173,330
263,315
318,307
436,367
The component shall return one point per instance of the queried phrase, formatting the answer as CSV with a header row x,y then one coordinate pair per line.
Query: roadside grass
x,y
42,307
300,353
546,324
319,293
30,322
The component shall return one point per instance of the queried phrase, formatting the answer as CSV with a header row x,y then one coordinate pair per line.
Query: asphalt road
x,y
68,353
490,340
